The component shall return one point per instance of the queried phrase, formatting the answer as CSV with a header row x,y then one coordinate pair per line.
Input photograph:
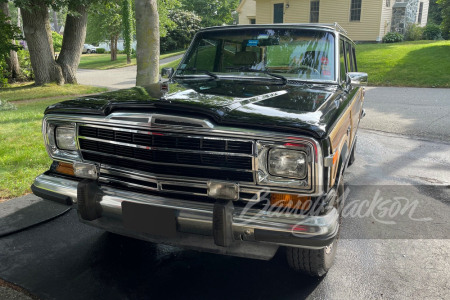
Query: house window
x,y
314,14
278,12
252,21
419,19
355,10
388,3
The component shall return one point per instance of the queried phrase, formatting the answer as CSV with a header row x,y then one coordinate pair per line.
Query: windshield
x,y
294,54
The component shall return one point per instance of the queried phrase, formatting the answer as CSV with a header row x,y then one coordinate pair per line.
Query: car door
x,y
354,92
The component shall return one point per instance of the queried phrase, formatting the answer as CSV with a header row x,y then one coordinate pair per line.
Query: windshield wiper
x,y
202,71
247,69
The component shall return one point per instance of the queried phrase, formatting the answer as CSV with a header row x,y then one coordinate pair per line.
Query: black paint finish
x,y
306,108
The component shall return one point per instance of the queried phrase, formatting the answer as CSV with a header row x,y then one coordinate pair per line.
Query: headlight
x,y
287,163
60,139
65,138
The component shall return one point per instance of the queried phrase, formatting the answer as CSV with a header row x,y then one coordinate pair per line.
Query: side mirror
x,y
167,72
357,79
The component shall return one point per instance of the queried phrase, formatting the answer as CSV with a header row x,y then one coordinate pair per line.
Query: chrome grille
x,y
168,154
175,142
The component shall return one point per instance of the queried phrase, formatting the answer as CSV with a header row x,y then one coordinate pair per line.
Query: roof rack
x,y
336,26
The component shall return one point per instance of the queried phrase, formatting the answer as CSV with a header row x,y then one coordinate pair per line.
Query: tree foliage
x,y
434,13
57,41
187,24
105,24
445,10
165,22
8,33
213,13
104,21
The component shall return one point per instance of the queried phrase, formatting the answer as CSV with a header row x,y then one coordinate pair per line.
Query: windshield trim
x,y
336,36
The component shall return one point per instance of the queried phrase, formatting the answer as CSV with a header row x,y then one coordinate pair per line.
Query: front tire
x,y
89,52
318,262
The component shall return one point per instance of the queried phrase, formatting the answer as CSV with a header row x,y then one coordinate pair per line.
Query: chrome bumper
x,y
256,233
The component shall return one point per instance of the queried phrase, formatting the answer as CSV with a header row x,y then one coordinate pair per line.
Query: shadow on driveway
x,y
64,259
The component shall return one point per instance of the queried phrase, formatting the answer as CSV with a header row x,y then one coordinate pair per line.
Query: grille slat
x,y
171,170
120,155
167,141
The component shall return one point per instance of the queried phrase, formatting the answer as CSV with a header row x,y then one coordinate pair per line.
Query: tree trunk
x,y
72,44
147,49
55,21
36,27
112,48
18,19
12,61
115,47
127,15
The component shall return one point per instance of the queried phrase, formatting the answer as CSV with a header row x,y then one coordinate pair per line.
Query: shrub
x,y
121,52
413,32
57,41
3,74
187,24
5,105
25,65
101,50
392,37
432,32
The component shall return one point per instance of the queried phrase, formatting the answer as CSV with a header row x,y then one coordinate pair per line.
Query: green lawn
x,y
103,61
409,64
172,64
29,91
22,154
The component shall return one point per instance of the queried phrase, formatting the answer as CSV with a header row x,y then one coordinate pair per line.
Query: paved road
x,y
411,111
114,78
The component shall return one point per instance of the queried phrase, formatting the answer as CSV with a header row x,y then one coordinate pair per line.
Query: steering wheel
x,y
296,69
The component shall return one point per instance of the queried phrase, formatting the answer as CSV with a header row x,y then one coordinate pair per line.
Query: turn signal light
x,y
65,168
290,201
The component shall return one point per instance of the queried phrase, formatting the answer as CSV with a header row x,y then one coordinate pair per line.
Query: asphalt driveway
x,y
403,148
114,79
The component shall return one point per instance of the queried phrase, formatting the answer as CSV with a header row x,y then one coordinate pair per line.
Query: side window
x,y
349,55
342,59
204,57
355,66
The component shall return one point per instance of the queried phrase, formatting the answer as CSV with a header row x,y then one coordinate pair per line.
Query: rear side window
x,y
355,66
342,60
349,56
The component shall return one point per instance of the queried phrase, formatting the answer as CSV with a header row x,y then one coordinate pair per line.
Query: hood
x,y
309,109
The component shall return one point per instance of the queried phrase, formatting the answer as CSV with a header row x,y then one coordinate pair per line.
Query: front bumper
x,y
256,233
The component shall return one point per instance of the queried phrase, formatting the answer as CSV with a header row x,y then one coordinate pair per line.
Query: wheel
x,y
351,160
316,262
89,51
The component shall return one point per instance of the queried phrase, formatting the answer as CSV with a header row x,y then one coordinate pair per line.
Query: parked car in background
x,y
242,152
88,48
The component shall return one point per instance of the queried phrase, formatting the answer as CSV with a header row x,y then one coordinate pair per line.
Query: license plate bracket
x,y
149,219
